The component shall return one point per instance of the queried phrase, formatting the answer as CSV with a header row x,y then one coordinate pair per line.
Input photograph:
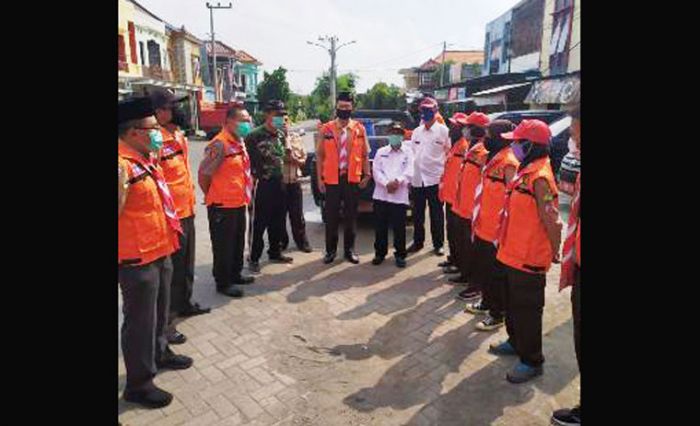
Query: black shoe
x,y
306,248
173,361
151,398
377,260
243,280
329,258
468,294
459,279
280,258
450,270
413,248
254,266
566,417
352,257
439,251
400,262
176,338
445,264
194,309
231,291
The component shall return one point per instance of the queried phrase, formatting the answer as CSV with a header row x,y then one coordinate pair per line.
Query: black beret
x,y
134,109
163,98
275,105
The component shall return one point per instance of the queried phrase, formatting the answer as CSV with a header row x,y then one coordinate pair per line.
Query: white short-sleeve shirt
x,y
430,148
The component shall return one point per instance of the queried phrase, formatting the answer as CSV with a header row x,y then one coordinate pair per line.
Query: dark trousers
x,y
268,213
183,269
294,204
227,231
524,305
389,214
348,195
464,255
429,195
576,310
451,219
488,276
146,302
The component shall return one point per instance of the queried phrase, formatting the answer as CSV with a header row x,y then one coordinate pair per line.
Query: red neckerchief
x,y
566,278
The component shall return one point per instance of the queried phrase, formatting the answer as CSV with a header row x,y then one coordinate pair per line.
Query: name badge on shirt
x,y
416,142
438,142
384,155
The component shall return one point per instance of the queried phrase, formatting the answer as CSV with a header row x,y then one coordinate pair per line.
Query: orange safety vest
x,y
493,196
524,244
144,234
228,183
469,177
357,150
174,160
453,164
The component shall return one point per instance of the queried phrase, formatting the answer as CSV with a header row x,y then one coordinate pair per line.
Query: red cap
x,y
532,130
458,118
478,119
429,103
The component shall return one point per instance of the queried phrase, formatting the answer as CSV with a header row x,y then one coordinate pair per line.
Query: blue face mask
x,y
243,129
427,115
156,140
278,122
395,141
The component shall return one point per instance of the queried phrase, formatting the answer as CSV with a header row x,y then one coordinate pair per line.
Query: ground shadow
x,y
482,397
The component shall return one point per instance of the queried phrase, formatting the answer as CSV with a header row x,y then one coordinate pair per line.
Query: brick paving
x,y
313,344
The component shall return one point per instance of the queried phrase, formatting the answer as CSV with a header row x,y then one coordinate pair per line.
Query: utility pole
x,y
331,48
213,43
442,65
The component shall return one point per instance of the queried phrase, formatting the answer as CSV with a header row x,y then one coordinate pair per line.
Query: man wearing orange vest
x,y
174,160
571,270
528,242
148,235
469,178
489,199
225,179
342,162
448,184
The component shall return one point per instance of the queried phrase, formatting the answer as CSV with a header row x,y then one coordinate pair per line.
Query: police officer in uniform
x,y
342,161
225,179
148,235
174,160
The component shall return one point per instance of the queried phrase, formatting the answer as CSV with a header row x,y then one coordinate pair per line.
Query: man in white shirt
x,y
392,171
431,143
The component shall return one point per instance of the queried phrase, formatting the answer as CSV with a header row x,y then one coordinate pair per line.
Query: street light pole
x,y
213,43
332,50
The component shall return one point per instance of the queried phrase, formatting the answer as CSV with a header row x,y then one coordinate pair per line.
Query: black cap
x,y
396,127
134,109
163,98
275,105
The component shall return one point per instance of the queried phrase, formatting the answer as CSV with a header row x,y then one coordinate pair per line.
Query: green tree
x,y
274,86
382,96
446,78
318,104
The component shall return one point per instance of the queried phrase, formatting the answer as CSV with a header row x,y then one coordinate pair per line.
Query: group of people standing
x,y
491,179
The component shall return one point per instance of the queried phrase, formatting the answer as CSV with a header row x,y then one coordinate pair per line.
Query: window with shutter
x,y
123,65
132,43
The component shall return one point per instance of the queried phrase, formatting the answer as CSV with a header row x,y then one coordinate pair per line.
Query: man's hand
x,y
321,186
364,182
392,186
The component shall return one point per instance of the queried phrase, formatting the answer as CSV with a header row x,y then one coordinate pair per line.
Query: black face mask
x,y
343,114
476,133
179,118
455,134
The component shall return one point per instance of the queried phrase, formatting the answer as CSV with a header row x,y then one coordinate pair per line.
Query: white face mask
x,y
573,150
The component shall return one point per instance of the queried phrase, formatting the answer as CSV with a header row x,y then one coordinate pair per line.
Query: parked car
x,y
546,115
377,123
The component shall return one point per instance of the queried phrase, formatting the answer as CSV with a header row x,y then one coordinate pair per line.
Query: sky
x,y
389,34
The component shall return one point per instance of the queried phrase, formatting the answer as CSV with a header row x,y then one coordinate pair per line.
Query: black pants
x,y
524,305
268,212
348,195
428,194
183,269
451,219
389,214
576,309
227,231
464,255
146,302
490,278
294,204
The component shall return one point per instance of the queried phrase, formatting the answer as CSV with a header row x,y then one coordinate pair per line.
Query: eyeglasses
x,y
148,128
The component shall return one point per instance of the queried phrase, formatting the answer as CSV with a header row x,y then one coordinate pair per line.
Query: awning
x,y
555,91
500,89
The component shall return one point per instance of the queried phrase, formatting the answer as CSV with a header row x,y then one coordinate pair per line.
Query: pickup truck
x,y
377,123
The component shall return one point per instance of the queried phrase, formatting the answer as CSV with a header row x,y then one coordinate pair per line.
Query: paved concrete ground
x,y
312,344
